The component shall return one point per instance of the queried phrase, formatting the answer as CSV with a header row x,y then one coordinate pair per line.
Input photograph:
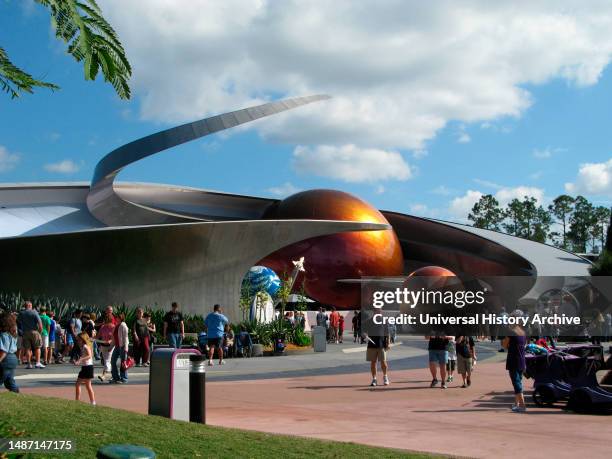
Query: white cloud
x,y
593,179
351,163
464,137
442,190
546,153
419,153
8,160
380,189
536,175
488,184
505,195
284,190
67,166
423,210
460,207
398,72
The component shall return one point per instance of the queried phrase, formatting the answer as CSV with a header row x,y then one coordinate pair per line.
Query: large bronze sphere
x,y
339,256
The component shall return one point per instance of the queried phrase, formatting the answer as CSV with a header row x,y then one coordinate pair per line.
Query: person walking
x,y
86,374
451,363
466,356
52,329
355,323
438,356
31,325
214,325
334,324
515,361
44,334
174,327
8,349
106,344
121,341
140,333
377,352
152,330
340,328
72,331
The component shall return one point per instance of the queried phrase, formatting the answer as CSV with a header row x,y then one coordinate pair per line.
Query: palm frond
x,y
15,81
91,39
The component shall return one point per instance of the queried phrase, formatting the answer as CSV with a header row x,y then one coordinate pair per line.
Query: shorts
x,y
516,376
87,372
464,365
69,340
451,364
440,357
31,340
376,353
45,341
218,342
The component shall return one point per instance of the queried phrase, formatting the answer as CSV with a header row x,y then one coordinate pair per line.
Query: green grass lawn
x,y
93,427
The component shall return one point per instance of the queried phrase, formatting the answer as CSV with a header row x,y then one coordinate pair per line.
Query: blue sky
x,y
534,135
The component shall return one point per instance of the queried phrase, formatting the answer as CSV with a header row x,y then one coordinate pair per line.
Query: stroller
x,y
569,373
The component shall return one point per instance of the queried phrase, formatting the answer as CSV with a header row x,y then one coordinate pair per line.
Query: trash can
x,y
169,383
319,339
124,452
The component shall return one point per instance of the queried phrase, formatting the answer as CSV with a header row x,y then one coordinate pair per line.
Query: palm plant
x,y
90,39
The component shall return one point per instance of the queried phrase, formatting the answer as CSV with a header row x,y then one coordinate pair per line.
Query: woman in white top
x,y
87,370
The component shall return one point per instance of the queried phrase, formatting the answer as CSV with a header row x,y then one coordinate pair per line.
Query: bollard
x,y
197,389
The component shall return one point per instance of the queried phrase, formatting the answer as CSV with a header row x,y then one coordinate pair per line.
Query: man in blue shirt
x,y
215,324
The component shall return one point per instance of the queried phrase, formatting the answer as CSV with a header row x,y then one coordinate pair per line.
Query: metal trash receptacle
x,y
319,339
169,383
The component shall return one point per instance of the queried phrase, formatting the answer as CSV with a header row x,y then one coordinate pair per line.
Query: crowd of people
x,y
36,338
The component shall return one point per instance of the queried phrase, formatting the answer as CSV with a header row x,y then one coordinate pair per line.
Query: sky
x,y
433,104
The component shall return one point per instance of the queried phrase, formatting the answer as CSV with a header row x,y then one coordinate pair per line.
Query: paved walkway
x,y
410,352
473,422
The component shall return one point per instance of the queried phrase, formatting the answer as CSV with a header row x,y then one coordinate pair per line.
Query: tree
x,y
602,220
90,39
581,222
514,212
486,213
561,208
541,225
527,219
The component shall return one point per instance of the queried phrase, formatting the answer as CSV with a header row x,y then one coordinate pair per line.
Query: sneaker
x,y
222,362
123,381
502,350
386,381
39,365
452,378
373,383
29,366
101,378
210,363
434,383
518,409
113,381
469,382
146,364
463,386
448,379
93,403
443,385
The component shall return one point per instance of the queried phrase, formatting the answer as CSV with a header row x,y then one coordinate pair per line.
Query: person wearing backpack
x,y
466,356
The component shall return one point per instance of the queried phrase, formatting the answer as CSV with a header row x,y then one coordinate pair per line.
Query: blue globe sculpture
x,y
260,279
